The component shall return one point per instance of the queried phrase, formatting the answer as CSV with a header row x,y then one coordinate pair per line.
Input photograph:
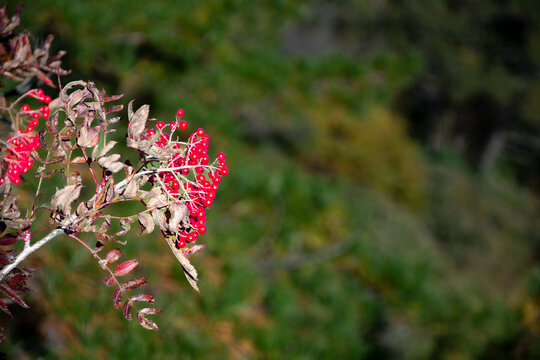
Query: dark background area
x,y
382,200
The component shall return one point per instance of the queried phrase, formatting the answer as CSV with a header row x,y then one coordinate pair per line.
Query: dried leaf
x,y
126,310
12,295
147,223
117,298
64,197
110,163
106,149
126,267
142,297
160,220
113,255
192,250
116,166
189,270
178,213
131,189
134,283
78,160
88,137
147,323
137,121
56,159
125,224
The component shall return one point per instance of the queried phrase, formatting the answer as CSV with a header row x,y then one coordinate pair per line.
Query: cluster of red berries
x,y
191,158
20,146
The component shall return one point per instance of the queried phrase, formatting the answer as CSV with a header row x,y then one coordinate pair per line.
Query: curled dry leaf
x,y
137,121
147,223
187,252
178,213
189,271
160,219
88,137
64,197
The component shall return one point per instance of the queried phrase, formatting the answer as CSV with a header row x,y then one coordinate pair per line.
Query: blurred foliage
x,y
355,222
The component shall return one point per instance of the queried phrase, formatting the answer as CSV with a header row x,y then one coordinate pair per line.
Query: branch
x,y
28,250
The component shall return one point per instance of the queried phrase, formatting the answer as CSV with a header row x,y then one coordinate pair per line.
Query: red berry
x,y
221,156
36,115
175,185
39,92
160,125
25,107
47,99
192,236
173,125
223,171
200,132
202,229
182,125
181,243
180,112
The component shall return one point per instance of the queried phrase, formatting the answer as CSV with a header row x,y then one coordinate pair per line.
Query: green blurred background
x,y
382,201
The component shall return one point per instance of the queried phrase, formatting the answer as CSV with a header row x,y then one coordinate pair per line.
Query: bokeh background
x,y
383,196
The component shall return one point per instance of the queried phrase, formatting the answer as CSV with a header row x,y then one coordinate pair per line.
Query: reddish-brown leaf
x,y
108,280
134,283
147,323
143,297
117,298
11,294
8,239
126,310
115,108
126,267
113,255
16,280
4,307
